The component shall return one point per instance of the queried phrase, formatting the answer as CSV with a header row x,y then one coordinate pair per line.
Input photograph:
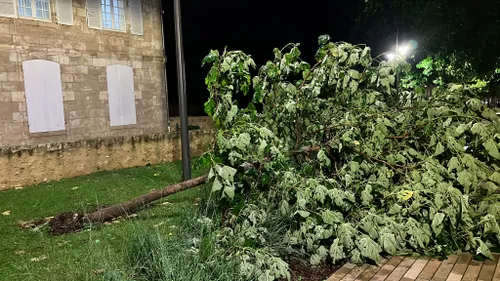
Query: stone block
x,y
68,95
5,97
103,95
14,76
12,86
63,60
19,117
14,57
6,39
14,128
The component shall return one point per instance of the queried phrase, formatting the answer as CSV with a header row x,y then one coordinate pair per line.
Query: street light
x,y
400,51
403,50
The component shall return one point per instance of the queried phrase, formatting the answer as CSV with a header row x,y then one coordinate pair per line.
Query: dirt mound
x,y
68,222
303,271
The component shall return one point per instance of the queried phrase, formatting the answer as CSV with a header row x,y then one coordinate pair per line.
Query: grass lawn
x,y
35,255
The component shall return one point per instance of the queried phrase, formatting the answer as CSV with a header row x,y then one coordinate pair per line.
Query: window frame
x,y
113,7
33,9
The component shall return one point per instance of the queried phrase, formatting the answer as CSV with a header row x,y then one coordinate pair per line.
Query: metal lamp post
x,y
181,83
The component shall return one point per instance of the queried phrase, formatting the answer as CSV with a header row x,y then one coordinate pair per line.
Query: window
x,y
110,14
44,98
121,96
39,9
64,9
113,14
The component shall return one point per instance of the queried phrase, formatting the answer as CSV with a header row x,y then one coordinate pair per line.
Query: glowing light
x,y
403,50
390,56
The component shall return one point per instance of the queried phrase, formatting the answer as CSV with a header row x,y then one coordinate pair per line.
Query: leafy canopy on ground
x,y
352,167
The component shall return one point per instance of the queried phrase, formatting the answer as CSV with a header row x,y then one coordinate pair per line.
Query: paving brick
x,y
401,269
370,271
445,268
472,271
488,270
343,271
460,267
386,270
496,274
416,268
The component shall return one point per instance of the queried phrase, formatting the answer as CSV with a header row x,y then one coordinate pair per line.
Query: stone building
x,y
82,88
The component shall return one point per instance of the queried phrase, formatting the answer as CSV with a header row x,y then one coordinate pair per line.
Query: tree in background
x,y
458,40
468,29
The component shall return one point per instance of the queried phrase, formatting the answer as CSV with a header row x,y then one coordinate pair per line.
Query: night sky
x,y
253,26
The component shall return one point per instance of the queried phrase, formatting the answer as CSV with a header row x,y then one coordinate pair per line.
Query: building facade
x,y
102,61
74,72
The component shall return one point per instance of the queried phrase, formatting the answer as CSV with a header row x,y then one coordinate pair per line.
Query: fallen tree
x,y
70,221
387,171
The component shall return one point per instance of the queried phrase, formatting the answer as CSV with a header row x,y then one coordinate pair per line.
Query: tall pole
x,y
181,85
397,52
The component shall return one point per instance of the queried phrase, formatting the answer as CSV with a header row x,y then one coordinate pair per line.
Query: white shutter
x,y
121,95
64,10
8,8
94,17
136,24
44,98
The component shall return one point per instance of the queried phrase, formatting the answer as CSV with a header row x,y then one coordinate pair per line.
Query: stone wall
x,y
83,54
28,165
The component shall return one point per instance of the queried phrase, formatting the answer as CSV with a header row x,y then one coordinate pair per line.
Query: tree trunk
x,y
133,205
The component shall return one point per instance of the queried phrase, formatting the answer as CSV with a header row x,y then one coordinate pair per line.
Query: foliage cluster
x,y
461,27
440,69
352,168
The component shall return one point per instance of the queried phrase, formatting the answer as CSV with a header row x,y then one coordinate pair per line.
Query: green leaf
x,y
229,191
353,86
353,73
356,257
331,217
216,186
227,173
266,133
369,248
465,178
231,113
495,177
419,233
489,114
453,164
336,251
437,225
210,107
480,129
388,243
395,209
303,214
366,196
315,259
323,158
439,149
492,149
323,39
243,141
262,147
482,248
345,233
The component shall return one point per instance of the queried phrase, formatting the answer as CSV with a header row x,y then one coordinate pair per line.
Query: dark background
x,y
253,26
468,28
